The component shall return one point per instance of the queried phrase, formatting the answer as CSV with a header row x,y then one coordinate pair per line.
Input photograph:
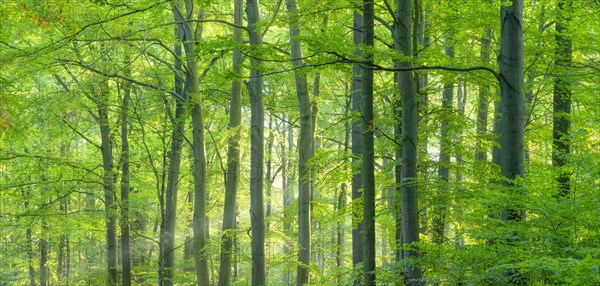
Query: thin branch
x,y
108,75
78,132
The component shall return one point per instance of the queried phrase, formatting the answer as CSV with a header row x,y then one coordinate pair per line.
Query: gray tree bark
x,y
484,100
305,147
44,271
257,136
511,88
357,130
108,182
29,250
408,188
189,37
125,250
233,152
441,199
168,221
368,150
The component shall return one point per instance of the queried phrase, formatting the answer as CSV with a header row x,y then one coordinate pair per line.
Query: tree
x,y
233,153
357,131
305,149
408,188
512,125
511,88
125,178
189,36
442,198
169,211
368,152
102,103
257,136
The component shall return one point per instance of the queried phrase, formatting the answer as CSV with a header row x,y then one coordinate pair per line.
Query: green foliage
x,y
55,57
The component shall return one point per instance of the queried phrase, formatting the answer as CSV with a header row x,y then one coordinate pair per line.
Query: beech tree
x,y
305,146
257,134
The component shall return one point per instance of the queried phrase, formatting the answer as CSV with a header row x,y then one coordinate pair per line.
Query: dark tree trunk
x,y
408,188
368,149
512,120
511,88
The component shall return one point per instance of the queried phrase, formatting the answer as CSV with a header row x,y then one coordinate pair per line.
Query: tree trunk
x,y
422,83
483,100
29,246
512,125
44,274
288,196
125,252
357,130
268,175
343,195
167,225
189,37
108,182
64,248
233,153
257,118
408,188
442,198
561,121
511,88
461,99
305,147
368,150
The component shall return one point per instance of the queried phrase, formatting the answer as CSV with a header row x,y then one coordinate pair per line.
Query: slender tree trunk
x,y
269,188
408,188
108,182
44,273
442,199
288,196
167,225
343,195
561,121
305,147
483,100
357,130
64,248
368,151
255,85
461,99
422,83
233,153
29,247
125,251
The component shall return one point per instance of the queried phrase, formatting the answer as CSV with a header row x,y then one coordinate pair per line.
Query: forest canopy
x,y
406,142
